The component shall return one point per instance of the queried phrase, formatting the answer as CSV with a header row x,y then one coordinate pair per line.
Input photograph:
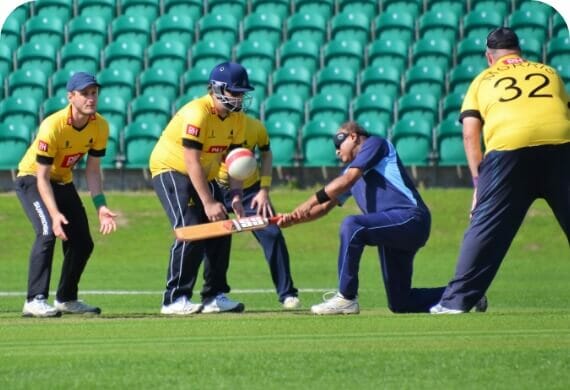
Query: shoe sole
x,y
30,315
239,308
346,312
88,313
178,313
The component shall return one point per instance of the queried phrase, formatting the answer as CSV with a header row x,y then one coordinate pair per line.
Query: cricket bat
x,y
223,228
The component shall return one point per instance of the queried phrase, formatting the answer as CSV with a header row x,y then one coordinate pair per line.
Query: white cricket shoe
x,y
181,306
291,303
76,307
220,303
38,307
337,305
480,307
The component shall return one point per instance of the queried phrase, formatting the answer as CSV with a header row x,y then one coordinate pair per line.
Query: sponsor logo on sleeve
x,y
217,149
42,146
193,130
70,160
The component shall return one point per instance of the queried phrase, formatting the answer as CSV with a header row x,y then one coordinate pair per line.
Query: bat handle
x,y
274,220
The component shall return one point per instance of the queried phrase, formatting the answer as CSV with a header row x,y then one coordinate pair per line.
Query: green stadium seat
x,y
253,104
417,105
563,70
28,83
381,79
440,23
117,82
6,60
175,28
478,23
44,29
410,7
196,77
535,6
413,140
388,52
11,32
351,26
324,8
336,80
457,7
168,54
559,27
256,53
113,108
190,95
425,79
35,55
58,81
14,142
375,127
105,9
21,13
124,55
558,50
344,53
131,29
293,80
433,51
462,75
158,81
53,104
218,27
113,149
263,27
328,106
237,8
190,8
285,107
501,6
281,8
87,28
532,48
80,55
530,22
62,9
450,143
471,51
370,8
294,53
395,25
209,54
307,27
22,110
373,107
140,138
283,136
318,147
146,108
451,106
148,9
259,79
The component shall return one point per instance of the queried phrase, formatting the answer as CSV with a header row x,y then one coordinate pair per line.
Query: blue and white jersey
x,y
385,183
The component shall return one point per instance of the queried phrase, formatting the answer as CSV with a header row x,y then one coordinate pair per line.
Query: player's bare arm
x,y
215,211
237,193
472,144
46,192
107,223
261,200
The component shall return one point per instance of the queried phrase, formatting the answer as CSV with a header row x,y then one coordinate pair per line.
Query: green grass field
x,y
522,342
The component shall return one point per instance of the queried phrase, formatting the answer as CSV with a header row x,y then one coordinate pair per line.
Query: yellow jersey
x,y
197,125
255,136
61,145
521,104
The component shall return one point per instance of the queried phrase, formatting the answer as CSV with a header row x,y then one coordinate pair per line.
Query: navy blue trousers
x,y
183,207
274,247
76,250
509,182
398,234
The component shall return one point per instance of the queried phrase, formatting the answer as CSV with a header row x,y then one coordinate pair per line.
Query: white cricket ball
x,y
241,163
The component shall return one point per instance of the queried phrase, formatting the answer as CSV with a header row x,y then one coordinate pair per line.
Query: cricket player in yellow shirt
x,y
522,110
45,188
184,165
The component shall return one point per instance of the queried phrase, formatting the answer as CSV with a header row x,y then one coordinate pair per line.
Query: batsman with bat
x,y
184,165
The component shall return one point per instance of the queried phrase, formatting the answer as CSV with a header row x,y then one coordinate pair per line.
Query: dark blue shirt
x,y
384,184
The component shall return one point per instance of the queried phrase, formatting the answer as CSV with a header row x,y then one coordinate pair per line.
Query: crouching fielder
x,y
394,219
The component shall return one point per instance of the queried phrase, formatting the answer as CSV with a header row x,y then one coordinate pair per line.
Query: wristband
x,y
99,201
236,192
265,181
322,196
475,181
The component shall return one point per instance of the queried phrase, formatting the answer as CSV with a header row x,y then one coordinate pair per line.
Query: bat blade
x,y
222,228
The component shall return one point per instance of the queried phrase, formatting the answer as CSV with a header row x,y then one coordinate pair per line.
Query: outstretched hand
x,y
107,222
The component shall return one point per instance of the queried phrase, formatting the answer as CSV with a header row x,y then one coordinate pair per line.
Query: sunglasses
x,y
339,138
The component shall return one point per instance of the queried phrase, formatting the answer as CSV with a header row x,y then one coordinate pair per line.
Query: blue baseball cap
x,y
233,75
81,80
